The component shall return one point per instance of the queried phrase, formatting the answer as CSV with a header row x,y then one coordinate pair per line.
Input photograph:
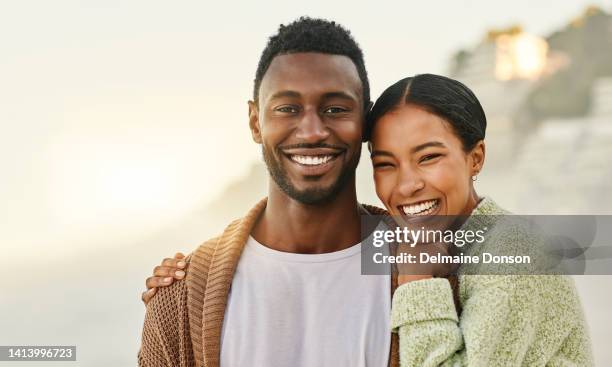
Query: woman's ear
x,y
477,157
254,122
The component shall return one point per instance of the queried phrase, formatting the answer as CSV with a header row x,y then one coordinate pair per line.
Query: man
x,y
297,295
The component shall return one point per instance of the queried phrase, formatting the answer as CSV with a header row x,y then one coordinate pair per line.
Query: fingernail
x,y
179,273
167,280
181,264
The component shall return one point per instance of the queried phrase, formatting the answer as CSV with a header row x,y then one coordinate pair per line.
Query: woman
x,y
426,137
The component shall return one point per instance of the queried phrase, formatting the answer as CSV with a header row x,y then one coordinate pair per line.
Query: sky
x,y
119,117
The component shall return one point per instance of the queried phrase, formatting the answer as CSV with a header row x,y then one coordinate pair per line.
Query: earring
x,y
474,177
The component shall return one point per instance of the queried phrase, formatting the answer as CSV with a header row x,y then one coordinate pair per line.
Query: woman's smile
x,y
420,208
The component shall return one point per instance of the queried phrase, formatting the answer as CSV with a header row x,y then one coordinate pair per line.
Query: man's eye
x,y
430,157
287,109
334,110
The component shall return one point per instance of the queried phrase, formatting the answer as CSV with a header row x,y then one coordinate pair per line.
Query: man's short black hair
x,y
313,35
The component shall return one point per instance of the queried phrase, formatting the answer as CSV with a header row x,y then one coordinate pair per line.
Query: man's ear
x,y
254,122
478,157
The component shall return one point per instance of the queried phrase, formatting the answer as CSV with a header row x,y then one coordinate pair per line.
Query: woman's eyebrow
x,y
380,152
427,145
413,150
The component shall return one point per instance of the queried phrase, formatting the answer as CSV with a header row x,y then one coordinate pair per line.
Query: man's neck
x,y
290,226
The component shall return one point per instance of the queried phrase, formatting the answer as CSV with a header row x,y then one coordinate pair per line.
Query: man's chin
x,y
312,195
310,189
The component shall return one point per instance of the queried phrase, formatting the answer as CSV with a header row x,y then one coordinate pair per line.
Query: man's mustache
x,y
311,146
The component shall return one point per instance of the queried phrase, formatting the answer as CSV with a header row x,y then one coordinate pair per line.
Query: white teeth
x,y
310,160
423,208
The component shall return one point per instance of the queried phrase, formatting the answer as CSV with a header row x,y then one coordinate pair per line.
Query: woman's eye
x,y
382,165
430,157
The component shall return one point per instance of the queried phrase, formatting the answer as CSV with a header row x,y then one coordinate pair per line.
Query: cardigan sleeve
x,y
165,336
503,317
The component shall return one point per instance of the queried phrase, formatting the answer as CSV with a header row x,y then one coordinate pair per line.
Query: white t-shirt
x,y
287,309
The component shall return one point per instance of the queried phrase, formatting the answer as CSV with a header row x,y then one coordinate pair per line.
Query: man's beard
x,y
314,196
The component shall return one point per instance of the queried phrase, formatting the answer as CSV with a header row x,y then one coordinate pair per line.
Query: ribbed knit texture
x,y
506,320
183,321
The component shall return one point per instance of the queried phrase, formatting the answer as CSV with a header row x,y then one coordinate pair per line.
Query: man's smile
x,y
309,160
313,161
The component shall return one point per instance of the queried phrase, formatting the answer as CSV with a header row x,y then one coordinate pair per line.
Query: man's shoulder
x,y
202,254
199,260
167,300
206,247
235,232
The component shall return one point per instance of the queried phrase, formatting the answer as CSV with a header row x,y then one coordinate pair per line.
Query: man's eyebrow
x,y
285,94
328,95
341,95
427,145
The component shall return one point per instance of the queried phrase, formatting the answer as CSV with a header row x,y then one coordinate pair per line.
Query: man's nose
x,y
312,128
409,182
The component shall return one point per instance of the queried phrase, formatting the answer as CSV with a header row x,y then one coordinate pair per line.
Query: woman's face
x,y
420,166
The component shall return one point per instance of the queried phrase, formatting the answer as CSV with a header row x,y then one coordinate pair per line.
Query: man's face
x,y
309,120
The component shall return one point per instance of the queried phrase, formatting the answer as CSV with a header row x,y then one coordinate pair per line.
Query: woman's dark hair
x,y
442,96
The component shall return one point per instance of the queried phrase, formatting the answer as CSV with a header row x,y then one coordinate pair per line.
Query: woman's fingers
x,y
155,282
148,294
164,275
178,263
417,267
168,271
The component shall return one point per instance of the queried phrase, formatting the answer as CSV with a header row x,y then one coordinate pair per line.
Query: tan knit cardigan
x,y
182,325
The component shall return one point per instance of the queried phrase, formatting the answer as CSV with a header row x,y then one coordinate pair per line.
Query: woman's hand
x,y
410,272
164,275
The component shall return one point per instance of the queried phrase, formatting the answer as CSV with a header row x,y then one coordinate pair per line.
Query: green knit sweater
x,y
506,320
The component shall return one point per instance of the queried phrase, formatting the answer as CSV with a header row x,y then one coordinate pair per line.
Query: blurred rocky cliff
x,y
549,106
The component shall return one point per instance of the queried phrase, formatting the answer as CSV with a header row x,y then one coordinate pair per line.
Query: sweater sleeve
x,y
574,351
165,335
503,318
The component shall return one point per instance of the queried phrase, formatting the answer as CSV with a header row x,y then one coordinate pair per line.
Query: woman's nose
x,y
409,182
311,128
